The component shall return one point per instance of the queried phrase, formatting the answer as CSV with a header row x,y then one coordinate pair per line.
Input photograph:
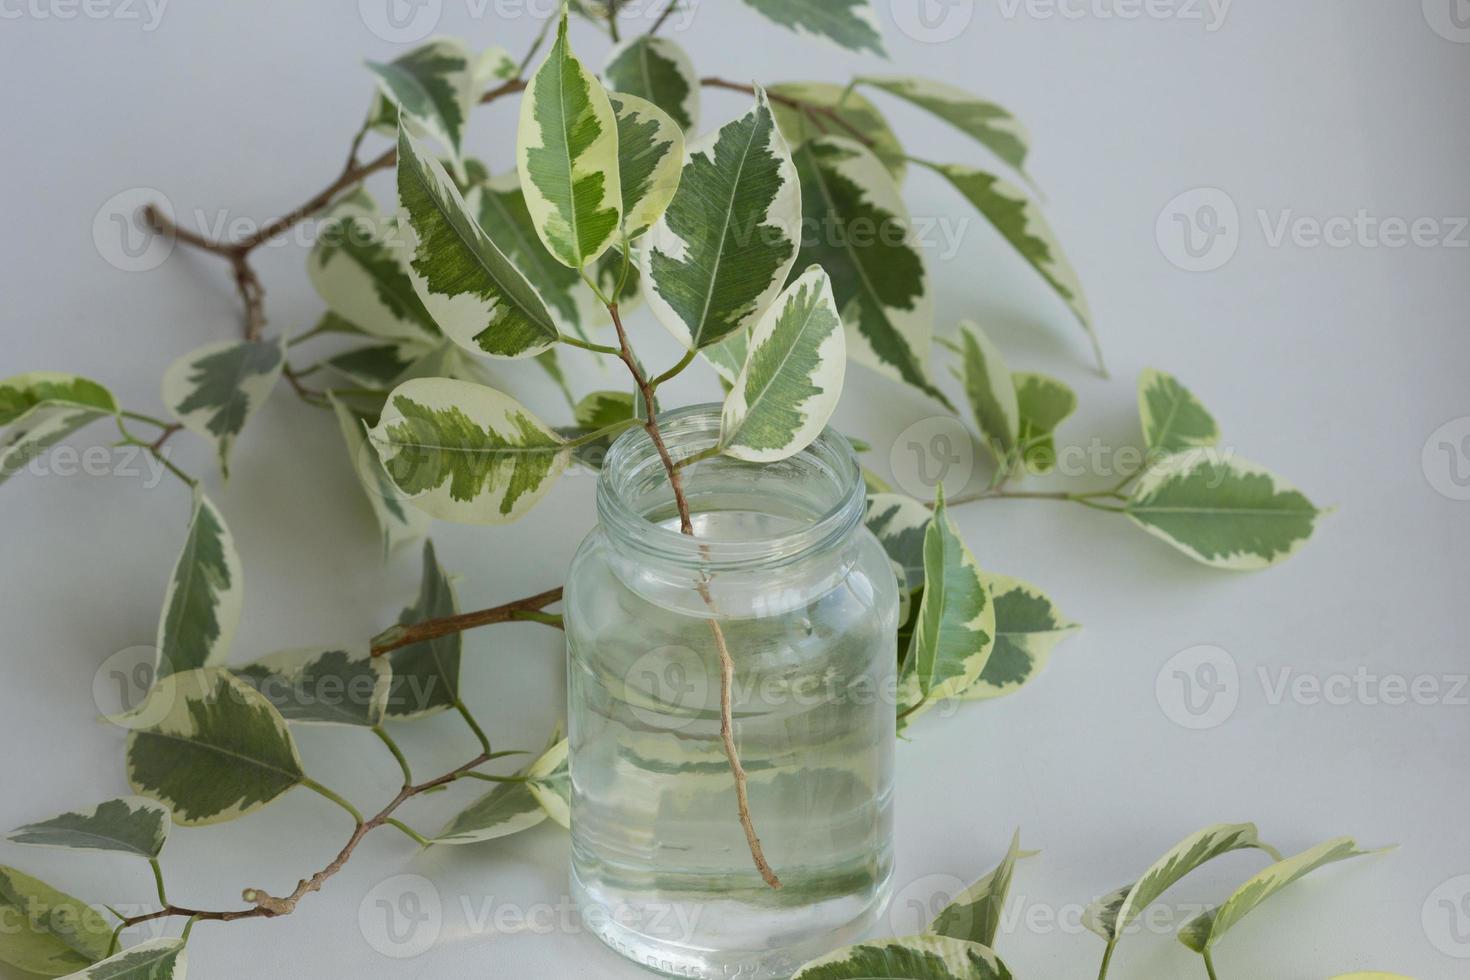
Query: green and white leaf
x,y
1202,932
359,269
914,958
398,523
1173,419
131,825
1110,915
792,377
466,453
656,69
341,685
206,594
955,632
601,409
376,365
722,251
479,299
857,113
878,277
1021,223
47,932
847,23
728,357
426,674
214,390
975,914
985,122
567,156
512,807
550,781
1222,510
435,87
1044,403
153,959
901,523
210,747
1028,627
43,407
650,160
990,390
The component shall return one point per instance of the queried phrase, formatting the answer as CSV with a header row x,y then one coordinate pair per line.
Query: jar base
x,y
767,948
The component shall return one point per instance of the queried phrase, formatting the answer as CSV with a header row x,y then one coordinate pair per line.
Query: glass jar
x,y
808,605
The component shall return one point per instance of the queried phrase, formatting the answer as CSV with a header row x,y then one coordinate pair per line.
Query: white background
x,y
1333,366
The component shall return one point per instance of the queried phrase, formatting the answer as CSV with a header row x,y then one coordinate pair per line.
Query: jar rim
x,y
689,431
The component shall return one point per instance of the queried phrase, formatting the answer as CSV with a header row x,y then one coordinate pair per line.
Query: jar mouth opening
x,y
745,514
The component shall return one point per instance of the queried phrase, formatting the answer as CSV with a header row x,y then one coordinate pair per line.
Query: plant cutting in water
x,y
617,198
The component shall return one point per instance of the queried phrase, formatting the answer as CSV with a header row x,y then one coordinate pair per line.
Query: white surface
x,y
1331,365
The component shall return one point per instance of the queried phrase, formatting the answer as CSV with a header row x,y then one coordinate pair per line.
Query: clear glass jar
x,y
808,604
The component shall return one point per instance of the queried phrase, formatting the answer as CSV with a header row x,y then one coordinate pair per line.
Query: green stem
x,y
1210,965
545,618
604,432
417,837
317,787
188,928
674,371
387,740
699,457
140,417
571,341
535,46
486,777
131,440
469,719
1107,958
158,880
116,938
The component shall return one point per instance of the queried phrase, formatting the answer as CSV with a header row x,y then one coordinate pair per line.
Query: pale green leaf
x,y
956,622
1110,915
1222,510
154,959
131,825
549,779
466,453
376,365
201,610
914,958
214,390
975,914
656,69
43,407
601,409
721,252
336,685
435,86
862,237
1202,932
650,160
1044,403
398,523
1173,419
567,155
987,123
900,523
426,674
831,103
990,390
1028,627
47,932
210,747
848,23
792,377
512,807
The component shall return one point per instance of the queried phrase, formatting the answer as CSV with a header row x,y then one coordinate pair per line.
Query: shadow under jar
x,y
808,606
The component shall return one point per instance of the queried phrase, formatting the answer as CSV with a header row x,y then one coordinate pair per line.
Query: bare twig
x,y
810,109
431,629
668,12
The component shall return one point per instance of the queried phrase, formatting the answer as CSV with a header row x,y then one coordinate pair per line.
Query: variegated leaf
x,y
426,674
1202,932
153,959
206,594
656,69
210,747
650,160
862,238
1028,627
479,299
549,779
214,390
987,123
792,377
900,523
728,357
1021,223
721,252
512,807
604,408
1110,915
991,393
42,408
955,632
398,523
1173,419
466,453
847,23
914,958
339,685
358,268
975,914
131,825
1223,511
1044,403
435,86
376,365
47,932
567,155
859,117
